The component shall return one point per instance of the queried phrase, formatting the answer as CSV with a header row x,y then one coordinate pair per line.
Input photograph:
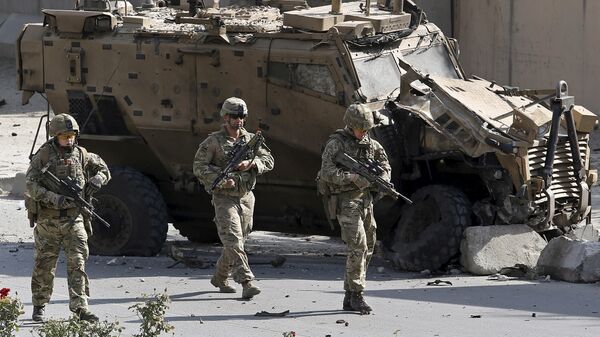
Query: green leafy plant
x,y
10,310
73,327
152,313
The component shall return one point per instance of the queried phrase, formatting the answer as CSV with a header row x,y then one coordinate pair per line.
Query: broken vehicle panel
x,y
147,89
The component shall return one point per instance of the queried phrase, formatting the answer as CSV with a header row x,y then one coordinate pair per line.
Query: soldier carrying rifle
x,y
59,217
349,199
227,163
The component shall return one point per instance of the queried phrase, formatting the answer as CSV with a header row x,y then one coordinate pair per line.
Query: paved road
x,y
309,284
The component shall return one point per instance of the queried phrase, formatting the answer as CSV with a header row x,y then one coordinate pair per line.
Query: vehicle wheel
x,y
195,232
429,231
136,212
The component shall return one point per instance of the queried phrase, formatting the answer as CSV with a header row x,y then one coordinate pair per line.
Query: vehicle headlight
x,y
544,129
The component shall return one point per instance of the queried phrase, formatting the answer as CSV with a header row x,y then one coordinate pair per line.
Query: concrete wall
x,y
533,44
439,12
33,7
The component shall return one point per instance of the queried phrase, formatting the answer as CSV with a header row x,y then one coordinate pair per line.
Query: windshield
x,y
379,75
379,72
433,60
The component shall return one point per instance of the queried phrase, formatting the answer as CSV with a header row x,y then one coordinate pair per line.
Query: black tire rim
x,y
116,213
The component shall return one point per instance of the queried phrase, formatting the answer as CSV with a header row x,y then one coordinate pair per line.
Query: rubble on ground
x,y
486,250
571,260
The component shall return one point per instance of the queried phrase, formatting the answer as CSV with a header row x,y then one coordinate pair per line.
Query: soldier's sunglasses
x,y
66,135
238,115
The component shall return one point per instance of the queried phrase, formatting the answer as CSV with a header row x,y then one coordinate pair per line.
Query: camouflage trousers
x,y
233,216
355,216
50,236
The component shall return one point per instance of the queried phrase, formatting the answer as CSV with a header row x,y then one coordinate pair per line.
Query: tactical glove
x,y
59,201
93,185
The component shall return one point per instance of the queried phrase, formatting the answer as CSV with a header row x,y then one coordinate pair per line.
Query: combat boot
x,y
86,315
249,290
357,301
38,313
347,305
223,285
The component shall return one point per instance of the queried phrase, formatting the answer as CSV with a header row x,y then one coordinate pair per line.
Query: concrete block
x,y
570,260
10,30
584,232
486,250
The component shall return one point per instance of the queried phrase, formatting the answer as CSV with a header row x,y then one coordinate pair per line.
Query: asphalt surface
x,y
309,283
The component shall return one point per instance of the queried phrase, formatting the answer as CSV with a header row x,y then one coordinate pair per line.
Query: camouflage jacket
x,y
214,154
343,140
77,164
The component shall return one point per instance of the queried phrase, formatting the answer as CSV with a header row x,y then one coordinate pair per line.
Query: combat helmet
x,y
234,106
62,123
359,116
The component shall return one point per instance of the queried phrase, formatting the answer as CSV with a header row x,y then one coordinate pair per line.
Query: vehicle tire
x,y
195,232
428,232
136,212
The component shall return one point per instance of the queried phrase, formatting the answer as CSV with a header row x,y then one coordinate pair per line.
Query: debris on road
x,y
272,314
115,262
499,277
475,316
276,262
439,283
2,102
519,270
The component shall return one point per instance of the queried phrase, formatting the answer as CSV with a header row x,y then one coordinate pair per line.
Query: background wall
x,y
533,44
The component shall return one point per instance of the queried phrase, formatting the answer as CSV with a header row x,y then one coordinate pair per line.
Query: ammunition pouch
x,y
33,208
49,213
330,202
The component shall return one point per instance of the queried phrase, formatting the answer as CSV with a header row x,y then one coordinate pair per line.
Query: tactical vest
x,y
71,164
360,152
244,181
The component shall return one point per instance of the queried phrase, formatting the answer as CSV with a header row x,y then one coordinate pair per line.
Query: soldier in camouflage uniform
x,y
352,200
59,221
233,198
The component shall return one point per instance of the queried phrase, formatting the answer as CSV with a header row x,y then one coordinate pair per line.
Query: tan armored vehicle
x,y
147,87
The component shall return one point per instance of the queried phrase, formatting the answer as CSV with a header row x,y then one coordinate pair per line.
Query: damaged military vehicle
x,y
147,87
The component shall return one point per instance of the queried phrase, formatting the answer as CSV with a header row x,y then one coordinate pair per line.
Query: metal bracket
x,y
74,65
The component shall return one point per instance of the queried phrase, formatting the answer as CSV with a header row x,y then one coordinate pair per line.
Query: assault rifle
x,y
240,152
69,188
370,171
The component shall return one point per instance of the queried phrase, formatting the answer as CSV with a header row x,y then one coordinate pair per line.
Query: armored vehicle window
x,y
97,24
314,77
379,74
433,60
